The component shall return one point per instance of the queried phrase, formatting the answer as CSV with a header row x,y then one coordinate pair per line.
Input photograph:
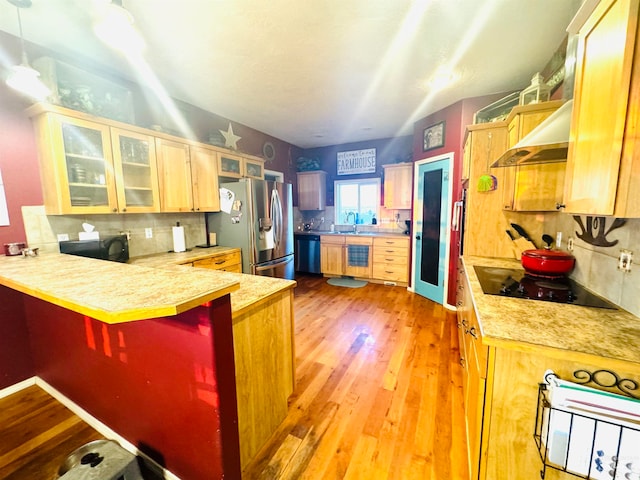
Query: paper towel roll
x,y
178,238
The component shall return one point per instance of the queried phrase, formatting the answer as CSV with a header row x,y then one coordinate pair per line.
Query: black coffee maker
x,y
408,230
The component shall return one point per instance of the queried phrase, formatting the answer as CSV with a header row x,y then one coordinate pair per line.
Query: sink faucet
x,y
355,223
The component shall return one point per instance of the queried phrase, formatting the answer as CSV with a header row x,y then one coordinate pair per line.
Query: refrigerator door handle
x,y
276,215
271,266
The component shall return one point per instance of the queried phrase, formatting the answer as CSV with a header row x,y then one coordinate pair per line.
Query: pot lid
x,y
546,254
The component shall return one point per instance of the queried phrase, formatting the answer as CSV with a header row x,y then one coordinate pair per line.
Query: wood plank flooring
x,y
378,396
378,393
37,433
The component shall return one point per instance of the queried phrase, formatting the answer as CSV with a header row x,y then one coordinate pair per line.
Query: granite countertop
x,y
349,233
172,258
520,323
109,291
253,288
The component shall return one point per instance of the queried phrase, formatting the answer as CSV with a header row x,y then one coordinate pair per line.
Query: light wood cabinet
x,y
264,358
473,358
387,258
312,190
500,387
603,164
238,166
391,259
228,262
187,177
485,223
532,187
90,167
398,181
332,254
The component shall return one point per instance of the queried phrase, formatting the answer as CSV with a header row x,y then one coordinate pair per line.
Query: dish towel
x,y
358,255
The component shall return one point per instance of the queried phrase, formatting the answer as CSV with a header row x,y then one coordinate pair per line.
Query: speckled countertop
x,y
520,323
171,258
253,288
110,291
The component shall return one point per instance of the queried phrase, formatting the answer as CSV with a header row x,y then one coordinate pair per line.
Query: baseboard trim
x,y
90,420
16,387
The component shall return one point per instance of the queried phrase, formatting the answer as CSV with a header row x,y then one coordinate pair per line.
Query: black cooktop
x,y
517,284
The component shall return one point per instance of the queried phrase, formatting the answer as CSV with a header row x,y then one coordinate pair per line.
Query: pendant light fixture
x,y
23,77
114,26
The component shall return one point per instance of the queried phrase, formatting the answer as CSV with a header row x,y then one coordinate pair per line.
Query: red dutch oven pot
x,y
547,262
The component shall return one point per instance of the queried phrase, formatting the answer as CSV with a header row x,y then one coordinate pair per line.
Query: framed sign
x,y
433,136
357,161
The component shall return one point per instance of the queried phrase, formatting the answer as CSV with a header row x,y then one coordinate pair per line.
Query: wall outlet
x,y
63,237
148,233
624,260
570,244
127,234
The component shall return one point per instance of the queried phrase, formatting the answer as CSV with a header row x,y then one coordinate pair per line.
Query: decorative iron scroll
x,y
607,379
594,232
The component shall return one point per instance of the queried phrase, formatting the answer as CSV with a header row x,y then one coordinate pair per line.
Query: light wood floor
x,y
378,392
378,396
37,433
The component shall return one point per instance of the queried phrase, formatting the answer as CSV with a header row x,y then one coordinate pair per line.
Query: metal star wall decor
x,y
230,138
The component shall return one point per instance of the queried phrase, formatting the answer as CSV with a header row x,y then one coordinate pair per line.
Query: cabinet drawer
x,y
390,252
399,242
388,271
333,239
220,262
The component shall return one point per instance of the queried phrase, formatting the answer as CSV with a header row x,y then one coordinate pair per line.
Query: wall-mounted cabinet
x,y
90,167
312,190
398,181
532,187
484,224
95,165
603,165
187,176
238,166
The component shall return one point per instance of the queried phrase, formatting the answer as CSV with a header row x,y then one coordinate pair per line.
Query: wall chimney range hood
x,y
547,143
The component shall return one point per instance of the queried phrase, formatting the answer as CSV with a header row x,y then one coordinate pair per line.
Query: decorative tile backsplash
x,y
597,267
42,229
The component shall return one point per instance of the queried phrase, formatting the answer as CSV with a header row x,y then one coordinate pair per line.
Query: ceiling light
x,y
442,78
23,77
115,28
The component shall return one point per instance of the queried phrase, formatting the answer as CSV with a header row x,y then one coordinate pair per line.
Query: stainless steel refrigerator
x,y
257,217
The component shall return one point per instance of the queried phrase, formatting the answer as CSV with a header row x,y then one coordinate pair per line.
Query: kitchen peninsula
x,y
150,351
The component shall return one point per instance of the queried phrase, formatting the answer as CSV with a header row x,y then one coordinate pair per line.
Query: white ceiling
x,y
318,72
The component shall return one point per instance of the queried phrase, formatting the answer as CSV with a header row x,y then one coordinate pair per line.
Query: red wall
x,y
167,385
456,118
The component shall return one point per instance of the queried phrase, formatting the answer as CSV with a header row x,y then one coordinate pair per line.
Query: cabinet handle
x,y
221,262
465,324
560,206
472,332
462,361
459,325
124,209
115,210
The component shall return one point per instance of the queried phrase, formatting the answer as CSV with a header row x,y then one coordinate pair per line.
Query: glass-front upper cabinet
x,y
136,173
87,167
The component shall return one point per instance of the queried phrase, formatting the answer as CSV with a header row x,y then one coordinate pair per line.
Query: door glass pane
x,y
136,171
431,217
86,166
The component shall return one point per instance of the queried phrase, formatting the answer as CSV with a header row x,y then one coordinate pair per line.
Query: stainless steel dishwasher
x,y
307,252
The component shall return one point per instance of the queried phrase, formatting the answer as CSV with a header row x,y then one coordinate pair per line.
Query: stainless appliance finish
x,y
260,223
307,252
115,249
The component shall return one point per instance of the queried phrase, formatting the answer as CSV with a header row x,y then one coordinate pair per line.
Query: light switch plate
x,y
63,237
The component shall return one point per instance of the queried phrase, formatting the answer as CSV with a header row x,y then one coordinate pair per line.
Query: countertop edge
x,y
500,330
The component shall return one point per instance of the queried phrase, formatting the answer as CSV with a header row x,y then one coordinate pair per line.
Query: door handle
x,y
418,237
